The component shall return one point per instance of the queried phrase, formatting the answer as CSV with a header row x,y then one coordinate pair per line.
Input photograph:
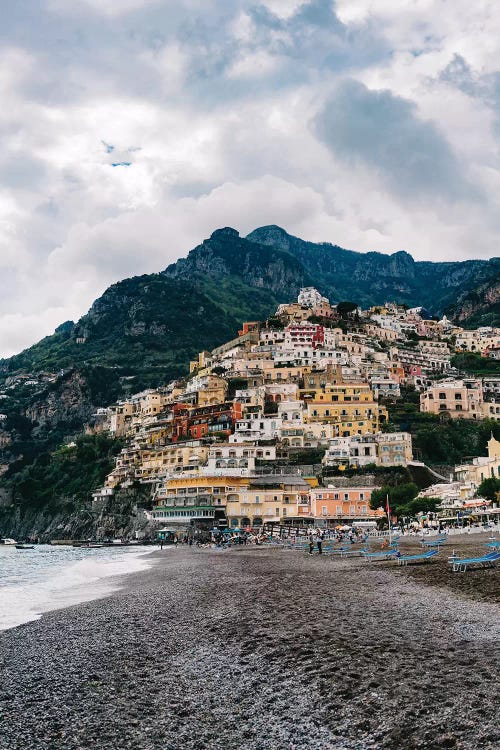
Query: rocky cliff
x,y
479,307
120,518
373,278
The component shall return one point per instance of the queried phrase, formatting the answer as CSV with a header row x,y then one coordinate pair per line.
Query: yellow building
x,y
459,399
195,499
204,360
482,467
293,313
170,459
152,402
268,499
244,501
350,407
121,418
213,392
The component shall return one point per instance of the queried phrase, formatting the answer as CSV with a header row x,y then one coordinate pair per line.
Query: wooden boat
x,y
25,546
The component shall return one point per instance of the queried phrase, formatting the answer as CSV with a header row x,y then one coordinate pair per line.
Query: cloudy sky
x,y
131,129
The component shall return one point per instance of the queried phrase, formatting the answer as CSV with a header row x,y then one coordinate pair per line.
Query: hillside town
x,y
287,424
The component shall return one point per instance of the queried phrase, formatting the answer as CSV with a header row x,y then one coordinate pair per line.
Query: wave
x,y
65,583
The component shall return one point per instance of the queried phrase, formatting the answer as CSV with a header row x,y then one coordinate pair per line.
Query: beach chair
x,y
493,544
354,552
433,543
422,557
338,550
386,554
460,565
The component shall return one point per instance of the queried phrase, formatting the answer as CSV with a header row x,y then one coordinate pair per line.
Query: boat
x,y
25,546
8,541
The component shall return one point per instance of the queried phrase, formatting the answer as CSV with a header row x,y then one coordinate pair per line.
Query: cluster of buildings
x,y
459,496
223,446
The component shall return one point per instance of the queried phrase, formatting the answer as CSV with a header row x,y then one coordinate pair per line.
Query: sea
x,y
51,577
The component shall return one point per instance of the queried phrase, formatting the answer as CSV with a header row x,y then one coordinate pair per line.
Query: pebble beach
x,y
264,649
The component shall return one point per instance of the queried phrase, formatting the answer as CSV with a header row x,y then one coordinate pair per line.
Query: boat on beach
x,y
10,542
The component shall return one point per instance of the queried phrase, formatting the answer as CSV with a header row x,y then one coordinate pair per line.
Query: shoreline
x,y
78,581
257,649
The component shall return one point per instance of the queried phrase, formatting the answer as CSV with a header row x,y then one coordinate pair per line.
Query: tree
x,y
399,495
419,505
345,308
489,488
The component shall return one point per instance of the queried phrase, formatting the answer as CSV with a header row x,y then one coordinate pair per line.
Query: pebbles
x,y
256,650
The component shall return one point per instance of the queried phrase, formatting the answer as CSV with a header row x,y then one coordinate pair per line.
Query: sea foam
x,y
46,578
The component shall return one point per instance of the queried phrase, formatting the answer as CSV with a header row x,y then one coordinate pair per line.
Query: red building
x,y
199,422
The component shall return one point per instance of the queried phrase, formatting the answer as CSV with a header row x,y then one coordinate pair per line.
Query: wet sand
x,y
263,650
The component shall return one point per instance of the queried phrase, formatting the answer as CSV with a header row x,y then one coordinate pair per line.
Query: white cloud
x,y
205,107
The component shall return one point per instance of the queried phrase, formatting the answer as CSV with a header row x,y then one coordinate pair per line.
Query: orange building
x,y
343,504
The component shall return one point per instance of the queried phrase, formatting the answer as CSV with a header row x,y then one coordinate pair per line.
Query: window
x,y
458,396
324,510
442,396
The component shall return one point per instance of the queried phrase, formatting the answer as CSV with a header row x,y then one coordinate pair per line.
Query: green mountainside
x,y
148,327
373,278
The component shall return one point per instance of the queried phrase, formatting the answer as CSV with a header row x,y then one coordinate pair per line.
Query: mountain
x,y
143,331
148,327
373,278
478,307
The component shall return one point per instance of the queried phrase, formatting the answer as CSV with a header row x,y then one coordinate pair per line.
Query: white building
x,y
310,297
261,427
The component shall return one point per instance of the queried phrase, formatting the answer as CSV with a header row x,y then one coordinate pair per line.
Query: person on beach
x,y
319,542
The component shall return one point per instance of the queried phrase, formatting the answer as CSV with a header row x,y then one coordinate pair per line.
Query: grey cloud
x,y
458,73
384,132
485,87
81,51
314,37
22,171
